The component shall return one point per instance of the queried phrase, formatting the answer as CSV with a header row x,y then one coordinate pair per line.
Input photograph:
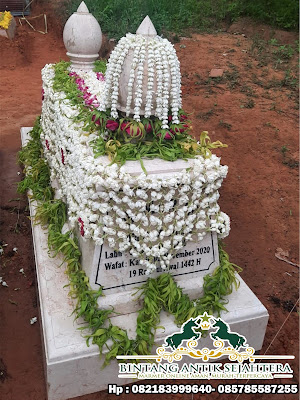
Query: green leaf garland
x,y
120,146
161,293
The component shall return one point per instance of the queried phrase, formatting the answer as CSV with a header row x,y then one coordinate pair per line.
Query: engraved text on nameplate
x,y
120,270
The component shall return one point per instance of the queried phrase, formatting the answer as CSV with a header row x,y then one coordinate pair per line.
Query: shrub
x,y
117,17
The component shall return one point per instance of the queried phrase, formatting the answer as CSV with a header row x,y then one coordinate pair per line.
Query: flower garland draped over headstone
x,y
150,217
160,293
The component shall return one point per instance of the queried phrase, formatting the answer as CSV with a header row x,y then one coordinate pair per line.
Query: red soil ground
x,y
253,109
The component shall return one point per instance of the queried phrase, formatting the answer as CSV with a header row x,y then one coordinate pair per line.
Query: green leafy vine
x,y
123,138
157,293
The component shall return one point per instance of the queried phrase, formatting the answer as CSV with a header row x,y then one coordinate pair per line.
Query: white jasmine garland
x,y
163,70
149,217
151,75
131,79
159,81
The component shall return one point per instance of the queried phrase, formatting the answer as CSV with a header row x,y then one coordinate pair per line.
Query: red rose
x,y
130,132
148,128
183,117
81,226
168,135
97,122
62,156
177,129
112,125
123,125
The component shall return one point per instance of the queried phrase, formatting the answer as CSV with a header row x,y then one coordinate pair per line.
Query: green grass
x,y
118,17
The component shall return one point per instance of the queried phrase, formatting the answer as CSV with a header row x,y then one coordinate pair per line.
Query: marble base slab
x,y
72,369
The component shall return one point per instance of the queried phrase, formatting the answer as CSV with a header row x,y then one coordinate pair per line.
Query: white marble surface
x,y
82,38
72,368
154,166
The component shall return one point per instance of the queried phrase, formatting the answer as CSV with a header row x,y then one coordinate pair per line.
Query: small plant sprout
x,y
33,320
273,42
284,150
22,271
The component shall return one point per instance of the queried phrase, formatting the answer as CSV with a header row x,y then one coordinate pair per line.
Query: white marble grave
x,y
73,369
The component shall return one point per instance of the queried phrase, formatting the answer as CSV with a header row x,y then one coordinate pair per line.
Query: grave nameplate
x,y
117,271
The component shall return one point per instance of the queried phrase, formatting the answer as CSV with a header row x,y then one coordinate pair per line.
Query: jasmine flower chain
x,y
134,214
163,78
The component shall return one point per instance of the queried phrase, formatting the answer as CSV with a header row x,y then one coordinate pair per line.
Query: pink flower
x,y
123,126
148,128
100,76
47,144
177,129
131,132
112,125
81,226
168,135
89,100
97,122
62,156
183,117
43,94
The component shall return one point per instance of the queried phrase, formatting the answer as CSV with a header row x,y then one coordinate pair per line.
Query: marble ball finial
x,y
82,38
